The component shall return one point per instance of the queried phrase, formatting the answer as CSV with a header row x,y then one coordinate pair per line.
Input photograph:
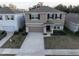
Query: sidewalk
x,y
8,51
62,52
2,41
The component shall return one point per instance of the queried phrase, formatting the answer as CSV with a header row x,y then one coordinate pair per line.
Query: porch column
x,y
44,29
52,31
27,29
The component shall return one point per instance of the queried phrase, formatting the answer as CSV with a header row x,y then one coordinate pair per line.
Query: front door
x,y
48,28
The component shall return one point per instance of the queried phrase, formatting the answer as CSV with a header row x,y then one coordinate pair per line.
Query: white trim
x,y
44,29
11,13
27,29
34,23
34,19
48,12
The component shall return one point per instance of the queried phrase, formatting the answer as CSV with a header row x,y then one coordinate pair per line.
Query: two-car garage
x,y
35,29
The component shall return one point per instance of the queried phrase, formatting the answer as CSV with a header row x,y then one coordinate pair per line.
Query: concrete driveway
x,y
33,45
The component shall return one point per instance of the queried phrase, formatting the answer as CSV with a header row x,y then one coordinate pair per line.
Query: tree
x,y
70,8
4,5
61,7
76,9
12,6
36,6
40,4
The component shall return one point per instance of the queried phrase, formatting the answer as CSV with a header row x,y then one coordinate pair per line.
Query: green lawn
x,y
61,42
17,40
68,41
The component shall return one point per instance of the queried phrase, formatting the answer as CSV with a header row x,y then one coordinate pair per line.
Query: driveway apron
x,y
33,45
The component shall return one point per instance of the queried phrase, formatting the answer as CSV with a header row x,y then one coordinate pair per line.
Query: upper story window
x,y
34,16
0,17
58,16
54,16
50,16
9,17
12,17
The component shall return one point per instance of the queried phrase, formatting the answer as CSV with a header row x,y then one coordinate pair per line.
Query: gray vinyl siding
x,y
72,26
43,17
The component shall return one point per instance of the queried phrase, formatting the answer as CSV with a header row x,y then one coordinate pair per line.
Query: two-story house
x,y
44,19
11,20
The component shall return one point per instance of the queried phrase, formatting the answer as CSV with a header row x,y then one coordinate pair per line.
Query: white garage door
x,y
36,29
9,28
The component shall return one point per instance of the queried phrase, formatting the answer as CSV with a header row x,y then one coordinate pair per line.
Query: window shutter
x,y
48,16
60,16
55,16
38,16
0,17
29,16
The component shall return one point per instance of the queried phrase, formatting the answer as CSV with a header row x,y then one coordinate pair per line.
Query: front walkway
x,y
33,45
2,41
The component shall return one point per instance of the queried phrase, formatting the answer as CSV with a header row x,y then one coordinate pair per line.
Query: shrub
x,y
58,32
3,34
77,33
20,30
24,33
51,34
16,33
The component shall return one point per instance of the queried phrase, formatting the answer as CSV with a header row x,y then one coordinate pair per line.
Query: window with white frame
x,y
56,27
0,17
9,17
54,16
34,16
50,16
12,17
58,16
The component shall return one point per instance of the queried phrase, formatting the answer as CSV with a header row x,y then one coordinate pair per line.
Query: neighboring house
x,y
11,20
72,22
44,19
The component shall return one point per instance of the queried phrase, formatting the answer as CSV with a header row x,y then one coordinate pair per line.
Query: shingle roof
x,y
73,17
6,10
44,9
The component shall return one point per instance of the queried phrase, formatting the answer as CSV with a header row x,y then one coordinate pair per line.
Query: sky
x,y
25,4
